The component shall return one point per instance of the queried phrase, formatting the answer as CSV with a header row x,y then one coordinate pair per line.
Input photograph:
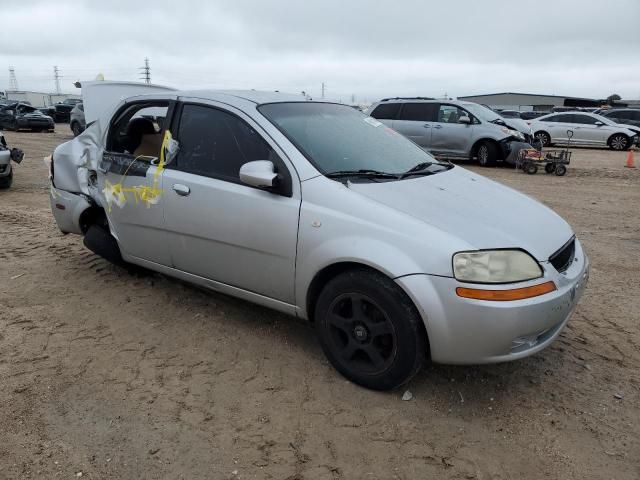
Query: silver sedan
x,y
321,212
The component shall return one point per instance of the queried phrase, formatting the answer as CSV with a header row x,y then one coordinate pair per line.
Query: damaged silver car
x,y
321,212
7,155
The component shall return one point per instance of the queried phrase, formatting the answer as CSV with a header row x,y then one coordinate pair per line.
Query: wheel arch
x,y
615,134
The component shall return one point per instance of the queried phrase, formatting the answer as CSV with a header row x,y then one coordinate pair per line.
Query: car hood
x,y
518,124
479,211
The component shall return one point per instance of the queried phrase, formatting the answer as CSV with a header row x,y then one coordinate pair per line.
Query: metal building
x,y
529,101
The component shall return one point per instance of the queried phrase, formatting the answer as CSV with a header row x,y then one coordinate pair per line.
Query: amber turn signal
x,y
506,295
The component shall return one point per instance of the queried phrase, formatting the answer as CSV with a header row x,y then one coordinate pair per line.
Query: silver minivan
x,y
451,128
323,213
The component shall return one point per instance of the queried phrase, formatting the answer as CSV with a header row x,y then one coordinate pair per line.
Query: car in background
x,y
321,212
508,113
61,112
7,155
76,120
451,128
532,114
20,116
627,116
589,129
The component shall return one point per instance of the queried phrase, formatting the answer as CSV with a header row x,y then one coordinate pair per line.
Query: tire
x,y
544,138
5,182
618,141
487,153
75,128
550,167
531,169
561,170
370,330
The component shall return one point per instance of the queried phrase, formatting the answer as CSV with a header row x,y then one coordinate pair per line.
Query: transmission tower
x,y
146,71
13,81
56,77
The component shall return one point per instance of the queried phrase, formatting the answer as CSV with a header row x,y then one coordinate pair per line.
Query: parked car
x,y
451,128
321,212
532,114
7,155
77,122
627,116
20,116
588,129
61,112
508,113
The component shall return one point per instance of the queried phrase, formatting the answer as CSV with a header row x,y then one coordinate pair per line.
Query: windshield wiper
x,y
421,169
361,173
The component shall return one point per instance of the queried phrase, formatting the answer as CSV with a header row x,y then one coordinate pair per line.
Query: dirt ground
x,y
106,375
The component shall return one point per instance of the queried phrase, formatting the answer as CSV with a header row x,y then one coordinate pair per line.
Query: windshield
x,y
605,120
339,138
483,113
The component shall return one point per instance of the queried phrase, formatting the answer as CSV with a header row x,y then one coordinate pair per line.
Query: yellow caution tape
x,y
150,195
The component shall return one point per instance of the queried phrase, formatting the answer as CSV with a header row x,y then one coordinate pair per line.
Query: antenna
x,y
56,77
146,71
13,81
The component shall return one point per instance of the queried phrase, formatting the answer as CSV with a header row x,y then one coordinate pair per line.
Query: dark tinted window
x,y
635,115
584,119
563,117
619,115
421,112
216,144
386,111
552,118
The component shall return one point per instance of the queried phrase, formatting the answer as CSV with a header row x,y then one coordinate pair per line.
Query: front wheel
x,y
370,330
619,142
5,182
487,154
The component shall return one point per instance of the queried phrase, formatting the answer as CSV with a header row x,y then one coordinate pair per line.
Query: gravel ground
x,y
115,376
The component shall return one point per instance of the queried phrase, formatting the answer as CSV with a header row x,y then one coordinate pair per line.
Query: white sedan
x,y
588,129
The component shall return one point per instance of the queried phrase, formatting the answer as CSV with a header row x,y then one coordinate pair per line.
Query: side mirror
x,y
464,119
259,173
598,124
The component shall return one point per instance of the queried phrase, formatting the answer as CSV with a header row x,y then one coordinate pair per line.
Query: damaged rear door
x,y
130,178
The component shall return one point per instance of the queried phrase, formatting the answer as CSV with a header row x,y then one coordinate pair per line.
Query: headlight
x,y
513,133
495,266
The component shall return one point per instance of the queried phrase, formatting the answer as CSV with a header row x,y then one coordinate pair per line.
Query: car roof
x,y
254,96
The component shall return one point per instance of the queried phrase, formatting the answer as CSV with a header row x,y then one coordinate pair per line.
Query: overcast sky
x,y
369,49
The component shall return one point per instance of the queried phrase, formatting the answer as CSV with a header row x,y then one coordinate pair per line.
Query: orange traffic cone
x,y
630,160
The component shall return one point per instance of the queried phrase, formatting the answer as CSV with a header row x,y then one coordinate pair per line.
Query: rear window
x,y
421,112
386,111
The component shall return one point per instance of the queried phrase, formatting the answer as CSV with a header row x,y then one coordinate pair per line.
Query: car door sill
x,y
215,286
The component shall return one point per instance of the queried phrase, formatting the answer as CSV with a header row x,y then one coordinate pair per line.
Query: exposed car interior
x,y
138,130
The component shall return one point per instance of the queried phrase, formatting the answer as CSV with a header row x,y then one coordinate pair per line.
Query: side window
x,y
620,115
564,118
450,114
584,119
214,143
634,115
137,130
386,111
420,112
553,118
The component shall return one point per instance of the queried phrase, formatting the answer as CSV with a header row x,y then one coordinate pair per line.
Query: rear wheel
x,y
618,142
561,170
550,167
487,154
370,330
544,138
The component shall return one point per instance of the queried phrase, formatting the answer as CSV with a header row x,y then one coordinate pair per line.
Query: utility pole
x,y
323,89
13,81
353,99
56,77
146,71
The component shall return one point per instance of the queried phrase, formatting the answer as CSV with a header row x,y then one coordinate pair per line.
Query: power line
x,y
13,81
56,76
146,71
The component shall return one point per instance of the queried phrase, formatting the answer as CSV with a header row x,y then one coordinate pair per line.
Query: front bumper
x,y
467,331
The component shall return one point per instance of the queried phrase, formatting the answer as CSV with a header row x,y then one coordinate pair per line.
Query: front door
x,y
130,181
587,130
449,136
219,228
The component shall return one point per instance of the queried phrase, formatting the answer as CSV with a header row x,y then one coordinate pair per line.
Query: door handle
x,y
437,126
181,190
426,125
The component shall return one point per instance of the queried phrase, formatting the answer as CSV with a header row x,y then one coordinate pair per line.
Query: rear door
x,y
130,179
449,136
415,121
219,228
557,126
